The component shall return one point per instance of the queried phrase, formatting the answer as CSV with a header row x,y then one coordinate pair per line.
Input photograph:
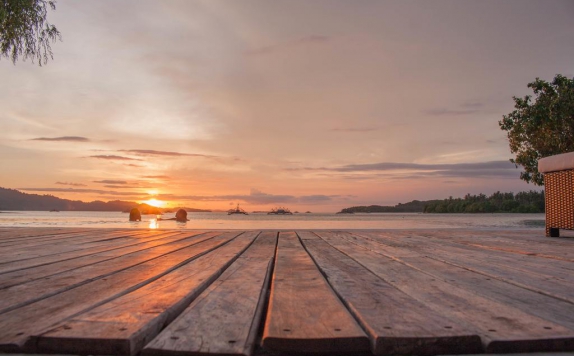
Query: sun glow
x,y
155,202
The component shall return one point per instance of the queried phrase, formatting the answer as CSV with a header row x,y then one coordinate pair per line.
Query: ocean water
x,y
264,221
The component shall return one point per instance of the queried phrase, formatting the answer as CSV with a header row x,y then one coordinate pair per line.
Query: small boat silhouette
x,y
237,210
280,211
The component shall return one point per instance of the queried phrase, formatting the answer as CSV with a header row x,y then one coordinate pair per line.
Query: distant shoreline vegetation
x,y
523,202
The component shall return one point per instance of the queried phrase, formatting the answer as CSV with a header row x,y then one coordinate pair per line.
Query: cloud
x,y
468,108
114,157
449,112
503,169
306,40
63,138
157,177
165,153
73,190
72,184
356,129
316,198
135,185
111,181
386,166
473,105
255,197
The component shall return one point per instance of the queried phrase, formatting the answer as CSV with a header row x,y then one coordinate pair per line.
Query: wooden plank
x,y
17,233
63,256
539,275
501,245
304,314
20,276
521,242
81,249
396,323
17,325
545,307
501,327
224,319
77,238
81,241
27,293
68,236
41,234
124,325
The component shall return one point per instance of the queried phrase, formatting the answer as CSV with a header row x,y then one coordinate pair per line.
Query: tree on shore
x,y
541,127
523,202
25,32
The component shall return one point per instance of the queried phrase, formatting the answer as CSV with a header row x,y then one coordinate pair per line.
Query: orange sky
x,y
310,105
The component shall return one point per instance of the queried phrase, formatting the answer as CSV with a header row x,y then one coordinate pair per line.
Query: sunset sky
x,y
311,105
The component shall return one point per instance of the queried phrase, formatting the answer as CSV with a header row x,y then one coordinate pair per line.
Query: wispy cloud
x,y
157,177
355,129
73,190
473,105
306,40
115,158
165,153
449,112
135,185
502,169
386,166
72,184
111,181
63,138
257,197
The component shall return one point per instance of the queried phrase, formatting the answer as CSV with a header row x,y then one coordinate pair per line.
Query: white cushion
x,y
555,163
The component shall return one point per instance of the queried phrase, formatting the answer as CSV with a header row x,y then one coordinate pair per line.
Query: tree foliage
x,y
415,206
523,202
24,30
541,127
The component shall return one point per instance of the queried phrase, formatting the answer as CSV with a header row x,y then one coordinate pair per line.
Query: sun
x,y
154,202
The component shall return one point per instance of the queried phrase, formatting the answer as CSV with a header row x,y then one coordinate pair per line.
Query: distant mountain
x,y
11,199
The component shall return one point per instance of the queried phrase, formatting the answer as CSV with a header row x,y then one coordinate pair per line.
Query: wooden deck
x,y
168,292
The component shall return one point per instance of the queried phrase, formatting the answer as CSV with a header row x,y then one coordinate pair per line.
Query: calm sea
x,y
264,221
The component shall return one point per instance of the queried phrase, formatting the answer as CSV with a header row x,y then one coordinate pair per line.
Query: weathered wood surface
x,y
27,293
395,322
226,317
502,327
127,323
17,325
546,276
111,291
85,258
304,313
69,255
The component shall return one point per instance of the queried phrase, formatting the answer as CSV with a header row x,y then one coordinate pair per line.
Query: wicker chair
x,y
559,192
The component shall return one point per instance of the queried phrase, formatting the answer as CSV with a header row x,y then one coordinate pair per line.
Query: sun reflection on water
x,y
153,224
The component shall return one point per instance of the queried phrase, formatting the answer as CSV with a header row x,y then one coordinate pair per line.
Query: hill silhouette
x,y
12,199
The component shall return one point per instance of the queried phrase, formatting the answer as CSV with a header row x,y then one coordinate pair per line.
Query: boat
x,y
280,211
237,210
